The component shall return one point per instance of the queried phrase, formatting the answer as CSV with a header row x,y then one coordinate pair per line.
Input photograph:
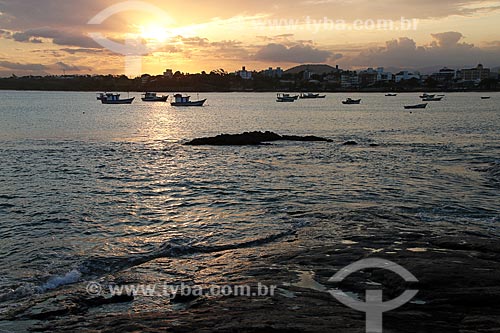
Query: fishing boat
x,y
485,97
418,106
295,97
286,98
350,101
186,101
115,99
311,96
391,95
152,97
432,99
427,96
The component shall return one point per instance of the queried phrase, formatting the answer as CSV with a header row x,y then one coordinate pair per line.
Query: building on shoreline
x,y
475,74
168,74
406,75
244,74
274,73
445,75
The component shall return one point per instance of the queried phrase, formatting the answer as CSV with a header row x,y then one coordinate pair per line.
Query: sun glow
x,y
155,33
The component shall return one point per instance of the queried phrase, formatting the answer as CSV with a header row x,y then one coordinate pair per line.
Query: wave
x,y
96,267
57,281
174,248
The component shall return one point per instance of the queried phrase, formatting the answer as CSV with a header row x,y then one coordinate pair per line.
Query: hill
x,y
316,69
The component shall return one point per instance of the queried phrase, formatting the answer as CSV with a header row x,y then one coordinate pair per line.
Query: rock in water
x,y
251,138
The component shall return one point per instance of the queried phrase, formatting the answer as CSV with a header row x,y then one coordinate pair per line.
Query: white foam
x,y
57,281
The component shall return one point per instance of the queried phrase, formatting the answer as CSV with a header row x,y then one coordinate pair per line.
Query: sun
x,y
155,33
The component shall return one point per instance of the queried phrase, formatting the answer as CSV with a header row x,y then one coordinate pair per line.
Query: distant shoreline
x,y
259,91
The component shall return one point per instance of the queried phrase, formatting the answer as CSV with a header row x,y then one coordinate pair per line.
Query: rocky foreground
x,y
458,268
251,139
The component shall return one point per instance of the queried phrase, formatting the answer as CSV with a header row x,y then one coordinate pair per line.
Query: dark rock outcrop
x,y
350,143
251,138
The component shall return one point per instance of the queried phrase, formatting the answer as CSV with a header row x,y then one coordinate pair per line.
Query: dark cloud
x,y
59,37
22,67
67,67
26,14
31,68
294,54
5,33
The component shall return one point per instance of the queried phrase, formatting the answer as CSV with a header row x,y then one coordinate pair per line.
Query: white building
x,y
383,76
244,74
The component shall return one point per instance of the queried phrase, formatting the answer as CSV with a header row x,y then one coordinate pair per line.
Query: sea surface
x,y
84,186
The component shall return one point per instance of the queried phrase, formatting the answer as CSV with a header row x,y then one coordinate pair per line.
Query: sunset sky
x,y
52,36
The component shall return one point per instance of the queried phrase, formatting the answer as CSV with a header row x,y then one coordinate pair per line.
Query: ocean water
x,y
87,188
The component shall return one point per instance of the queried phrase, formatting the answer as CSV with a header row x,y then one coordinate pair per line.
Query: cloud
x,y
5,33
67,67
194,41
58,37
448,39
203,48
81,50
444,50
424,9
26,14
35,68
295,54
23,67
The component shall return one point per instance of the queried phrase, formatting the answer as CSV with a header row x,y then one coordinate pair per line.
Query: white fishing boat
x,y
427,96
286,98
153,97
180,100
110,98
311,96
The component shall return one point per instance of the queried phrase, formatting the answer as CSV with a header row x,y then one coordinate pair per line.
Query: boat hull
x,y
352,102
313,97
121,101
156,99
419,106
185,104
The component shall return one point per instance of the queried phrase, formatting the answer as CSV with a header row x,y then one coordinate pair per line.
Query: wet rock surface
x,y
458,269
251,138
